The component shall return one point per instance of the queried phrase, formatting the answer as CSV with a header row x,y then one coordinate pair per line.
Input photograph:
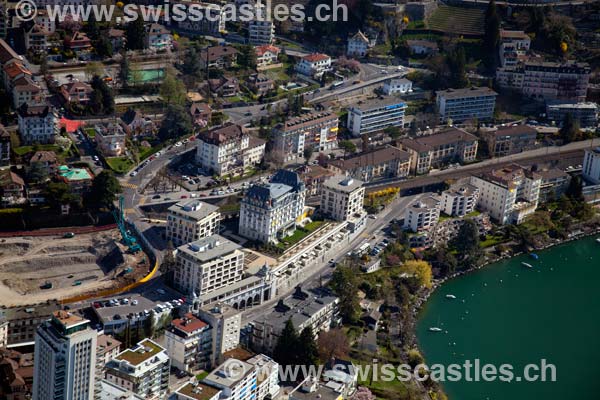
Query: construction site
x,y
35,269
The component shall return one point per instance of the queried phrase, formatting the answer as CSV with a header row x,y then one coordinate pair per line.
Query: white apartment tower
x,y
65,358
591,165
208,264
192,220
460,200
422,215
226,323
342,197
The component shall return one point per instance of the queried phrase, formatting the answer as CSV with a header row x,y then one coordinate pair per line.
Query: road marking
x,y
130,185
129,211
142,201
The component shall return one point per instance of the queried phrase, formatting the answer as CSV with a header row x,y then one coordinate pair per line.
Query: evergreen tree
x,y
105,188
104,47
92,28
491,38
308,350
570,129
457,63
124,70
177,122
344,283
108,99
136,34
287,345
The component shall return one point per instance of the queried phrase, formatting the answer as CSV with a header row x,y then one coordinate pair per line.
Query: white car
x,y
178,144
134,302
134,173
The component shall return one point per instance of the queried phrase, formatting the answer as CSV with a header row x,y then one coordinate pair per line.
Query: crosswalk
x,y
129,185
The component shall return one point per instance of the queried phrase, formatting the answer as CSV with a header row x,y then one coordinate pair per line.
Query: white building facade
x,y
459,105
376,115
422,215
191,221
342,197
591,165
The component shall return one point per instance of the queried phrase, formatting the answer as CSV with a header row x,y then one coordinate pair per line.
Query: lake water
x,y
507,313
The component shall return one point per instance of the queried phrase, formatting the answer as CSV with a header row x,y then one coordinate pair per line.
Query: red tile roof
x,y
188,323
316,57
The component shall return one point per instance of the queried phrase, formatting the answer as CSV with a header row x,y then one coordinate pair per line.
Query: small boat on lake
x,y
598,240
526,265
435,329
450,296
534,256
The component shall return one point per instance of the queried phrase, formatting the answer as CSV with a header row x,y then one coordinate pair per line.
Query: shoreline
x,y
417,306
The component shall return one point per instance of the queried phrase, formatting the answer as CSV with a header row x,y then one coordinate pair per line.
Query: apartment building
x,y
225,322
192,220
433,151
111,139
228,150
158,38
389,162
143,370
37,124
397,86
342,197
375,115
358,45
260,29
237,379
4,146
585,113
566,81
314,65
270,212
317,131
591,166
505,141
267,371
107,348
220,57
423,214
555,183
514,46
460,105
304,309
65,358
188,343
207,264
508,194
195,390
460,199
213,22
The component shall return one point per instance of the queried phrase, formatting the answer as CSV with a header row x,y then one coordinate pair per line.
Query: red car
x,y
184,197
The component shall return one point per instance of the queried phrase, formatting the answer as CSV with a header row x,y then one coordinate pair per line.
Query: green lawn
x,y
202,375
91,132
21,151
300,234
120,165
490,241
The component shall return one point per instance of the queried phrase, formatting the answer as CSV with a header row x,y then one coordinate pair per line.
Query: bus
x,y
336,84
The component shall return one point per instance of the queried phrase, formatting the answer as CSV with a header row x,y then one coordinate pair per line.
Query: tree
x,y
344,283
177,122
191,63
173,90
491,38
287,344
136,34
93,69
307,349
420,270
44,64
393,132
108,99
37,173
467,240
104,48
570,129
308,152
333,344
92,28
96,103
124,70
149,325
457,65
58,193
348,146
247,57
363,393
105,188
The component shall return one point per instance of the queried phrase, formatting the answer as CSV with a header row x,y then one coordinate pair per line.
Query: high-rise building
x,y
423,214
225,322
342,197
192,220
270,212
65,358
460,199
188,342
208,264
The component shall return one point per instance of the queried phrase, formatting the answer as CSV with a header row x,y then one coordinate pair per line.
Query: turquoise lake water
x,y
507,313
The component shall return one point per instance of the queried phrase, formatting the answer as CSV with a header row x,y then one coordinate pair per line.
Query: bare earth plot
x,y
70,266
